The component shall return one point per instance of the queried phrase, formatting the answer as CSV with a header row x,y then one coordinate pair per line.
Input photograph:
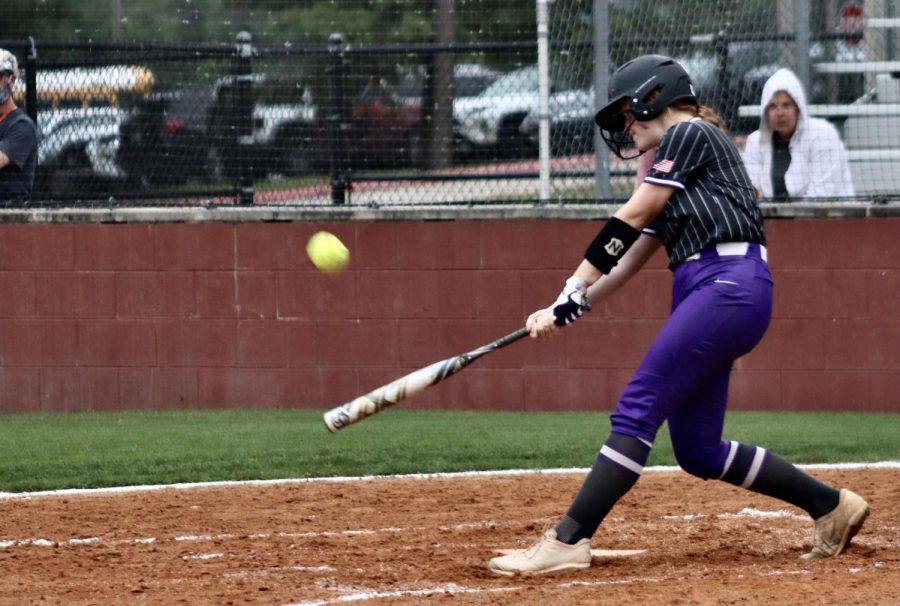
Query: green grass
x,y
43,451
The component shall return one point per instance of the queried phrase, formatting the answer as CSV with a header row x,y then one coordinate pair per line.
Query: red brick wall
x,y
141,316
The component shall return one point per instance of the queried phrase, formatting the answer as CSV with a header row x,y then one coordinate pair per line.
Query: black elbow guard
x,y
611,243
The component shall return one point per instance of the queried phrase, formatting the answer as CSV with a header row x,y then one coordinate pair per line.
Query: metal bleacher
x,y
873,141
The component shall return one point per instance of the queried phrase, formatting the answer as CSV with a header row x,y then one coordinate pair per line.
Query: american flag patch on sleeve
x,y
664,166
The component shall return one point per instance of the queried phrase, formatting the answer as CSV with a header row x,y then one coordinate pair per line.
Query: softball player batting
x,y
697,201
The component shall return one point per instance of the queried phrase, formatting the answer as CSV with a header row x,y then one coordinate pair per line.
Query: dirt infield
x,y
426,541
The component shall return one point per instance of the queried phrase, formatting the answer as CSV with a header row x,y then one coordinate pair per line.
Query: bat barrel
x,y
415,382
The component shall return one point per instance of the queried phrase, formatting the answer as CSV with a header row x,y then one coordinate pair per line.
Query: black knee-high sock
x,y
764,472
617,468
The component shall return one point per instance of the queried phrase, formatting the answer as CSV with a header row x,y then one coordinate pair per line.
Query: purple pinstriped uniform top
x,y
713,200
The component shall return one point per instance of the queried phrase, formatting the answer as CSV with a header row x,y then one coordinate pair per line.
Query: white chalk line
x,y
411,476
41,542
747,512
203,556
453,588
76,542
362,595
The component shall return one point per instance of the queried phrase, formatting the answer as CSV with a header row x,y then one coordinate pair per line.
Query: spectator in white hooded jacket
x,y
794,155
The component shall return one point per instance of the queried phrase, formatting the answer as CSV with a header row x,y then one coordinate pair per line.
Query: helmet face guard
x,y
614,131
640,90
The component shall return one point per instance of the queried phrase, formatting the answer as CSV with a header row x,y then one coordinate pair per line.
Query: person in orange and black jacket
x,y
18,138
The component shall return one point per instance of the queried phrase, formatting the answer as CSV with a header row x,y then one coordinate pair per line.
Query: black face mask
x,y
617,138
6,91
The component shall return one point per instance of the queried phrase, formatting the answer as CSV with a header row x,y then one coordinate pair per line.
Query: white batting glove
x,y
571,303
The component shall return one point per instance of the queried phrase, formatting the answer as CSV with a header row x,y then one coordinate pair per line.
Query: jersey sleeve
x,y
684,149
655,228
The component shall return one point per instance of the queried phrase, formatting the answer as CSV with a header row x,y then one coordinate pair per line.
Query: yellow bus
x,y
88,86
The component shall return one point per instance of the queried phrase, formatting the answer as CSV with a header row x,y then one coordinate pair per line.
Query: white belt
x,y
733,249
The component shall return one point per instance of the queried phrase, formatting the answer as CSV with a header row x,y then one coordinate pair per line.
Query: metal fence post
x,y
723,71
801,43
31,81
244,116
337,117
543,45
602,186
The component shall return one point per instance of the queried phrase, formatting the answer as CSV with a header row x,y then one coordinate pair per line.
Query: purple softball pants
x,y
721,307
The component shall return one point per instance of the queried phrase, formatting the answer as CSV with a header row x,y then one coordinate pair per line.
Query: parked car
x,y
490,123
469,79
385,130
166,137
571,123
387,121
77,150
286,138
177,136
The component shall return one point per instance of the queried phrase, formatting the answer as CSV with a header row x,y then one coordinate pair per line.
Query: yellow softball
x,y
327,252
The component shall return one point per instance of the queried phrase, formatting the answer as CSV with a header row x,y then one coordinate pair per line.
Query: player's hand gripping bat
x,y
409,385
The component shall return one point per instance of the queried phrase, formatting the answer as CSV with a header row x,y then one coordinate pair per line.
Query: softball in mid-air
x,y
327,252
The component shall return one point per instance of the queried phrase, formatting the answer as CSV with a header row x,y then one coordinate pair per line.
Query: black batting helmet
x,y
636,81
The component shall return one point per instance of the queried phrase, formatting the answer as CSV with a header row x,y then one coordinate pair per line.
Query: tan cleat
x,y
835,529
547,555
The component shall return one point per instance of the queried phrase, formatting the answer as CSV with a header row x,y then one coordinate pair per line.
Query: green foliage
x,y
277,22
313,22
41,451
496,20
178,21
45,19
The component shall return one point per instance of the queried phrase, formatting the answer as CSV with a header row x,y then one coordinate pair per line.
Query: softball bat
x,y
409,385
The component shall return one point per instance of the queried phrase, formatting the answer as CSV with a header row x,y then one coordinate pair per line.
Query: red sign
x,y
852,22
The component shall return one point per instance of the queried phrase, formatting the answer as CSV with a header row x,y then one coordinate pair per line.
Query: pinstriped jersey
x,y
713,199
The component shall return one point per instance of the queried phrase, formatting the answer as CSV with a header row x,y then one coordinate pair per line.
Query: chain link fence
x,y
416,102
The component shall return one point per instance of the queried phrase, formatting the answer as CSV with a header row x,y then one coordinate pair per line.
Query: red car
x,y
388,126
386,129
